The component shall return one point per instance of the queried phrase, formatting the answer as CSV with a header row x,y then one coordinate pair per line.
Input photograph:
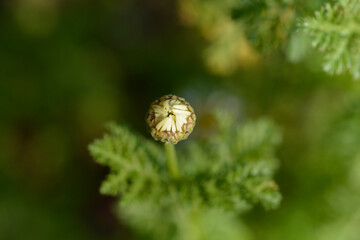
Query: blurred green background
x,y
68,67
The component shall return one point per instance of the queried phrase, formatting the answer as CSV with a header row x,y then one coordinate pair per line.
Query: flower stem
x,y
171,160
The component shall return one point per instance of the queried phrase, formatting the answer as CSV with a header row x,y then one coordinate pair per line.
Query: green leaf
x,y
335,31
227,174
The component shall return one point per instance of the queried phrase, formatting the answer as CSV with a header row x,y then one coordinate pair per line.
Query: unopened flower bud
x,y
170,119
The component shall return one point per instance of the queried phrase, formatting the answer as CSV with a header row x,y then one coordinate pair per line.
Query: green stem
x,y
171,160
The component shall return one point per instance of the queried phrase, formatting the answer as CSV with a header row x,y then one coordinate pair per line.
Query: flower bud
x,y
170,119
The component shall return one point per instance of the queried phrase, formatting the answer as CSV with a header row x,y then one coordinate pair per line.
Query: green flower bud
x,y
170,119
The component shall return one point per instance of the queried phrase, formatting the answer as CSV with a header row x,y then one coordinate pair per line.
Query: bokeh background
x,y
68,67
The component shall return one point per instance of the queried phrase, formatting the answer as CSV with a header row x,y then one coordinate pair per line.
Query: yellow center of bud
x,y
171,115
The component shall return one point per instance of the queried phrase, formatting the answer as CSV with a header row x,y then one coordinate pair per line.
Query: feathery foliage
x,y
238,31
224,176
136,164
335,30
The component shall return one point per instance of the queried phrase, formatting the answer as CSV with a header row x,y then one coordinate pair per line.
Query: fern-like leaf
x,y
335,30
224,176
